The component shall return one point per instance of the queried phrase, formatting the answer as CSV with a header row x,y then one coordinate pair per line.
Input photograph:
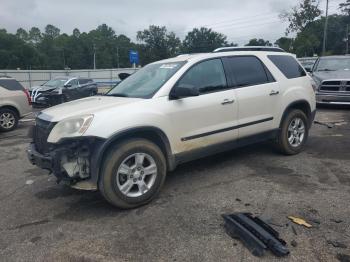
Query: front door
x,y
209,118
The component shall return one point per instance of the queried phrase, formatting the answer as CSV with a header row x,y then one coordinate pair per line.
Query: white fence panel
x,y
29,78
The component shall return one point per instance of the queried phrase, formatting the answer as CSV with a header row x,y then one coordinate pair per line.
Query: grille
x,y
41,132
335,86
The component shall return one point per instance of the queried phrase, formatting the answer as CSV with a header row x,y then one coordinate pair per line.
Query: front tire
x,y
8,120
133,173
294,132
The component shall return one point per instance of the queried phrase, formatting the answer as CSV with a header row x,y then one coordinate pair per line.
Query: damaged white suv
x,y
170,112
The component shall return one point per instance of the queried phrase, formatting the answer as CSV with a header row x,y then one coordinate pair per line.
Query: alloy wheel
x,y
136,175
296,132
7,120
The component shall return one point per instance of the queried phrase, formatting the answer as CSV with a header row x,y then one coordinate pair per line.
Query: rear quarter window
x,y
11,84
287,65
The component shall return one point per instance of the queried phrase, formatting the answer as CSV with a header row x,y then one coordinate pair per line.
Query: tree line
x,y
52,49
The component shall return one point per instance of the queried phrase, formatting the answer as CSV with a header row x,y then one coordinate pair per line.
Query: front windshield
x,y
333,64
147,81
59,82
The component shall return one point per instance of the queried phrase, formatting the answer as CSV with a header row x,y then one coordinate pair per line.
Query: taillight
x,y
28,96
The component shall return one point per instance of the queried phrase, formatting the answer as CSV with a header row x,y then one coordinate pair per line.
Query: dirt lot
x,y
43,221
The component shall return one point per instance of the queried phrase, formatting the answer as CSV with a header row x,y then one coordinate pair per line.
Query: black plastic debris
x,y
329,125
255,234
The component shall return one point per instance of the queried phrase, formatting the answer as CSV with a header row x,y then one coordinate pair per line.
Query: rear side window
x,y
248,71
287,65
207,76
11,84
84,81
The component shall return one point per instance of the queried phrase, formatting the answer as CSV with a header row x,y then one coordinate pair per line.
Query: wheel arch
x,y
150,133
302,105
13,108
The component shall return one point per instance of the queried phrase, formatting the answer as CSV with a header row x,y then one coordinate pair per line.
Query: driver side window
x,y
73,83
207,77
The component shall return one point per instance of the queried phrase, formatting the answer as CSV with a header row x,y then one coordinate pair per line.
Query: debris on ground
x,y
336,243
299,221
255,234
343,257
324,124
315,221
294,243
294,230
336,220
29,182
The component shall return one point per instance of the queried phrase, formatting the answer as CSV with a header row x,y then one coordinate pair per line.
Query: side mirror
x,y
123,76
182,91
68,85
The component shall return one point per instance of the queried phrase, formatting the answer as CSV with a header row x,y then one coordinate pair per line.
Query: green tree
x,y
302,14
22,34
285,43
258,42
345,7
34,35
51,31
201,40
157,44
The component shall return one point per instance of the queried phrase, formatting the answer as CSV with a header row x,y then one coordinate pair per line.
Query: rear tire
x,y
294,132
133,173
8,119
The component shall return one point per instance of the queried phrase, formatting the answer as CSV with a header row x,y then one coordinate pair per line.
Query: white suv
x,y
170,112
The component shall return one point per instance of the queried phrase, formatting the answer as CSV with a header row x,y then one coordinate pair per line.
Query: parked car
x,y
14,103
307,62
170,112
332,77
62,89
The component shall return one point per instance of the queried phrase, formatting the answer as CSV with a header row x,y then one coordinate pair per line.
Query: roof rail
x,y
249,48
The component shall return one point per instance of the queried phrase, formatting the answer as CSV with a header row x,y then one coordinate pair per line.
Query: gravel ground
x,y
43,221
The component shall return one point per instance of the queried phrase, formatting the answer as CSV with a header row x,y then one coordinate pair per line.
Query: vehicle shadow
x,y
91,205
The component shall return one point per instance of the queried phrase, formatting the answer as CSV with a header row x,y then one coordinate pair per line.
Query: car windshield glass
x,y
147,81
333,64
59,82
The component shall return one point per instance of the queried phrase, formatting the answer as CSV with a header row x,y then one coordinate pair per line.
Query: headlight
x,y
70,127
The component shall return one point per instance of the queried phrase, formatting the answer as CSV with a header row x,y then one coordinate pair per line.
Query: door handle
x,y
227,101
273,93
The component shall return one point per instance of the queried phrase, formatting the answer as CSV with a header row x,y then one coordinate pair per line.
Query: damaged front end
x,y
71,161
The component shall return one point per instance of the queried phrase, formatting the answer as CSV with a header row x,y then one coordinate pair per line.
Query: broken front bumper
x,y
42,161
60,162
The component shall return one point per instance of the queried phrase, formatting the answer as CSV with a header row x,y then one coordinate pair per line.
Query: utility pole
x,y
325,31
347,40
118,57
94,46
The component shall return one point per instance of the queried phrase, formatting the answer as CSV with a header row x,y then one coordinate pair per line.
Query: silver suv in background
x,y
332,77
14,103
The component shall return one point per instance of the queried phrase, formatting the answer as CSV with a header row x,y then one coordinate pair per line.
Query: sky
x,y
239,20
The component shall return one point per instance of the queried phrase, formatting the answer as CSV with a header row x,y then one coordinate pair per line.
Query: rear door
x,y
257,94
209,118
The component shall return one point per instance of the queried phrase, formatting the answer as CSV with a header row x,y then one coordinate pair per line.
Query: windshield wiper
x,y
117,95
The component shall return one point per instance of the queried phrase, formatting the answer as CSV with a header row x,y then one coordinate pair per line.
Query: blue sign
x,y
133,57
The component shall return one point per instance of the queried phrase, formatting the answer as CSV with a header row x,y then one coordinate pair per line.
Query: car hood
x,y
327,75
85,106
42,88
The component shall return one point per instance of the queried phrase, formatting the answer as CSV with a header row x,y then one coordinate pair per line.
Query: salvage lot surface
x,y
43,221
